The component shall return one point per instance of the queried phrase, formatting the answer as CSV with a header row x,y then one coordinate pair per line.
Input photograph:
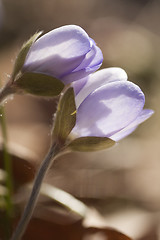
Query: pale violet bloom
x,y
108,105
67,53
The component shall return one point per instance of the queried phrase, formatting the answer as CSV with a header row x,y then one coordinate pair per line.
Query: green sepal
x,y
65,117
23,53
39,84
89,144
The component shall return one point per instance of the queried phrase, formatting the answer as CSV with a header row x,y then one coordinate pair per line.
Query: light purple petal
x,y
92,58
78,85
98,79
144,115
58,52
92,62
74,76
109,109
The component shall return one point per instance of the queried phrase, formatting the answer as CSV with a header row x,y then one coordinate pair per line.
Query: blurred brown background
x,y
124,182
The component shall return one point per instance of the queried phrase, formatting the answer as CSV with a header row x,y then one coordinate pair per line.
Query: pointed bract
x,y
90,144
23,53
39,84
65,118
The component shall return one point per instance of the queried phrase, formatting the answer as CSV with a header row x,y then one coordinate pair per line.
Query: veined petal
x,y
109,109
58,52
92,62
144,115
74,76
98,79
93,58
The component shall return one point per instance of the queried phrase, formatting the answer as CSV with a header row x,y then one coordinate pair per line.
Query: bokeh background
x,y
122,183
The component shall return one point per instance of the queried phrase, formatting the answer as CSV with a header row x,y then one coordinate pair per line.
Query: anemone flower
x,y
66,53
108,105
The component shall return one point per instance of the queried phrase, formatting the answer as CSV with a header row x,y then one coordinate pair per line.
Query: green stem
x,y
5,91
8,170
27,214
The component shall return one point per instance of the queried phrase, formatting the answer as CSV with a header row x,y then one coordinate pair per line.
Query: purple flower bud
x,y
66,53
108,105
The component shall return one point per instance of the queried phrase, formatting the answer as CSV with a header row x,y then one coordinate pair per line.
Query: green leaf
x,y
23,53
39,84
89,144
65,116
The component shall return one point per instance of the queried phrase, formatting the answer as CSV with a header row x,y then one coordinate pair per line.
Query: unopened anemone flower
x,y
108,105
66,53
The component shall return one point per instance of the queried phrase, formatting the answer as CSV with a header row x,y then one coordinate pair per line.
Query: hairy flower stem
x,y
5,91
27,214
